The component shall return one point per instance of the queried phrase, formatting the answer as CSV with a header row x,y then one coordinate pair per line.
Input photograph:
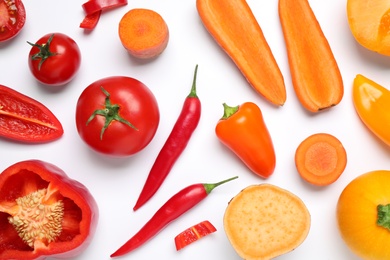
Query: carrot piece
x,y
315,74
265,221
320,159
234,27
143,33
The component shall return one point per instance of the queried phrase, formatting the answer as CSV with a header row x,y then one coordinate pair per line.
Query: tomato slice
x,y
93,6
12,18
193,234
25,119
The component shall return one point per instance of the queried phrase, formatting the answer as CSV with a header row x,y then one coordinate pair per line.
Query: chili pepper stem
x,y
193,88
210,186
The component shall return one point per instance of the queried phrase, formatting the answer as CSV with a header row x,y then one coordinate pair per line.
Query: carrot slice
x,y
234,27
320,159
193,234
315,74
265,221
143,33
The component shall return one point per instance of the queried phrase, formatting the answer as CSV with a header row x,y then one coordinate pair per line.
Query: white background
x,y
116,183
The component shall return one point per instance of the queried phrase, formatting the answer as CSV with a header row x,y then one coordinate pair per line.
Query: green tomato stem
x,y
110,112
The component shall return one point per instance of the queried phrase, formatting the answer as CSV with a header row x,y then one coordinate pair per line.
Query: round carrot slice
x,y
320,159
143,33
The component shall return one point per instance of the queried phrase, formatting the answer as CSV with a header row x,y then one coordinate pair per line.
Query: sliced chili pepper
x,y
25,119
93,6
193,234
90,21
44,213
174,145
243,130
177,205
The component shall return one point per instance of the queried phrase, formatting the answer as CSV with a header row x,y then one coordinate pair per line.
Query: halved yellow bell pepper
x,y
372,104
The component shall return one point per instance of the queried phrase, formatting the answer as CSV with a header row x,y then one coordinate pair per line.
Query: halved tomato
x,y
12,18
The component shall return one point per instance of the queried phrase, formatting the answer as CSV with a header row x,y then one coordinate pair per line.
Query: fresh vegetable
x,y
12,18
243,130
174,145
265,221
25,119
372,104
44,213
363,213
234,27
369,23
314,71
177,205
117,116
94,8
90,21
54,59
143,33
193,234
320,159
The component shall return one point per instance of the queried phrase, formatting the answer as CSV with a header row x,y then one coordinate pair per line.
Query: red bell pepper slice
x,y
90,21
193,234
25,119
43,212
93,6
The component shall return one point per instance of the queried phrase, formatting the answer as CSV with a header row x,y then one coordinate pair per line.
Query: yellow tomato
x,y
372,104
363,215
369,21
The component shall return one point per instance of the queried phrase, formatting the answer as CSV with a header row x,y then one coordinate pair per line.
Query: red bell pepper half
x,y
193,234
25,119
43,212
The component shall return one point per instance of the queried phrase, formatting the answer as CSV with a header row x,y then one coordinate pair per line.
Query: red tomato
x,y
54,59
117,116
12,18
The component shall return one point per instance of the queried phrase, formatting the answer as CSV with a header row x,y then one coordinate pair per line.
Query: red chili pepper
x,y
25,119
90,21
193,234
174,145
177,205
93,6
44,213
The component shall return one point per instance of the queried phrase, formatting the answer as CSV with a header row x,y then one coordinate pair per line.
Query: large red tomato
x,y
54,59
12,18
117,116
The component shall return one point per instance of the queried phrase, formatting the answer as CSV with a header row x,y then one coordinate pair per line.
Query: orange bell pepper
x,y
243,130
372,104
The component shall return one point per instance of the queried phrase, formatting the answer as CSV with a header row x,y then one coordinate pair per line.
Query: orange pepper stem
x,y
228,111
383,216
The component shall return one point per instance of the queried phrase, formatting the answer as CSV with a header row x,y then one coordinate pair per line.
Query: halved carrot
x,y
315,74
236,30
320,159
143,33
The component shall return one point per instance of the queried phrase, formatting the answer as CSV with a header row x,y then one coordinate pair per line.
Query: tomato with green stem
x,y
12,18
117,116
54,59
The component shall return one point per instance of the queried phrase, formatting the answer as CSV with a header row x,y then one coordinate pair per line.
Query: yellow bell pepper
x,y
372,104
